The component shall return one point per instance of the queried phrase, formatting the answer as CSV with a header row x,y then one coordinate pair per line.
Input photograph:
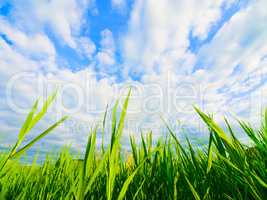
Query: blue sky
x,y
174,53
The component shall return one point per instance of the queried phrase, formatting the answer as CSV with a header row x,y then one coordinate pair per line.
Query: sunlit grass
x,y
225,169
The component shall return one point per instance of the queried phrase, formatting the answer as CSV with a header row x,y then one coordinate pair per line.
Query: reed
x,y
225,169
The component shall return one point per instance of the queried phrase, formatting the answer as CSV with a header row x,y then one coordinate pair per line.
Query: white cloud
x,y
242,51
29,82
157,44
245,47
36,45
85,47
159,32
119,4
106,55
64,18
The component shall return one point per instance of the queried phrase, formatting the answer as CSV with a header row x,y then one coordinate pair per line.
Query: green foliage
x,y
32,119
165,169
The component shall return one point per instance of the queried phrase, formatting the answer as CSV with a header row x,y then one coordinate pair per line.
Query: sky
x,y
173,54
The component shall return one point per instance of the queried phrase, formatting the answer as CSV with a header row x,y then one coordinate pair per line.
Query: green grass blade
x,y
144,146
192,153
139,189
206,196
128,181
249,131
178,144
209,154
123,114
214,126
26,147
260,181
194,192
134,150
87,163
97,171
114,123
232,165
43,111
27,122
103,129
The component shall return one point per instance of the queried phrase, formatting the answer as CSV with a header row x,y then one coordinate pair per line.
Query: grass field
x,y
225,169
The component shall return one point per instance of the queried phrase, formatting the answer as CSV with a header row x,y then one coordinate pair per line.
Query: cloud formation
x,y
226,73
